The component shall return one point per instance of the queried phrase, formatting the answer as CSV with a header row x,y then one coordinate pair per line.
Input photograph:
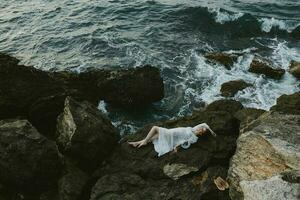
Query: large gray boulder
x,y
29,162
268,149
85,134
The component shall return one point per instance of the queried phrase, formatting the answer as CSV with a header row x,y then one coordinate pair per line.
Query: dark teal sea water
x,y
170,34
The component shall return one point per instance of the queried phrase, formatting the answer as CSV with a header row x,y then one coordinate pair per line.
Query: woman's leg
x,y
153,133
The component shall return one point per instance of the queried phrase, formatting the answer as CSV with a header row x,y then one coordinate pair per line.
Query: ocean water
x,y
172,35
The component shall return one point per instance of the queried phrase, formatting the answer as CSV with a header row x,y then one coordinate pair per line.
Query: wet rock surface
x,y
259,66
295,69
223,58
230,88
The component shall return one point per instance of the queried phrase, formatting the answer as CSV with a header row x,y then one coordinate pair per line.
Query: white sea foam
x,y
223,16
268,23
102,107
282,55
264,92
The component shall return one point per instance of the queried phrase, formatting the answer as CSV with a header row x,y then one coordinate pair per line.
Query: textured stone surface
x,y
147,170
39,95
289,104
223,58
205,183
273,188
268,147
247,116
85,134
230,88
227,105
177,170
71,185
29,162
263,67
295,69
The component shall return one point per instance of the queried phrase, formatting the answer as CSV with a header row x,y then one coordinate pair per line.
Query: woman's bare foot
x,y
138,143
134,144
142,143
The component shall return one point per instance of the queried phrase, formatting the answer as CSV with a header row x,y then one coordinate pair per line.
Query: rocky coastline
x,y
56,145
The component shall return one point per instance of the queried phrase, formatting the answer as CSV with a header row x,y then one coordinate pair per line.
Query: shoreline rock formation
x,y
266,163
39,96
90,163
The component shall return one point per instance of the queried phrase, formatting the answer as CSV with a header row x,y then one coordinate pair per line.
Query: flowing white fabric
x,y
168,139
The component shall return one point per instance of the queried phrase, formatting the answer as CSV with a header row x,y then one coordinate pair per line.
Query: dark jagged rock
x,y
223,58
289,104
230,88
263,67
295,69
85,134
39,95
71,185
132,173
228,105
43,113
29,162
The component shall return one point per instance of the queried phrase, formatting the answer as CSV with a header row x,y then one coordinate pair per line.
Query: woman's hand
x,y
175,149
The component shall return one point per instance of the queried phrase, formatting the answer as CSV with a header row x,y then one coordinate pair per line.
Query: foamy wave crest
x,y
269,23
222,16
282,55
264,92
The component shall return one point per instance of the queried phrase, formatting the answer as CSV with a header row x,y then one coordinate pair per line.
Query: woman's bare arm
x,y
176,148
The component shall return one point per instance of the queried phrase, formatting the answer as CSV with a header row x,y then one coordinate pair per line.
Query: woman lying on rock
x,y
166,140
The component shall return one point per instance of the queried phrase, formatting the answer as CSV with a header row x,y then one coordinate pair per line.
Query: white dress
x,y
168,139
